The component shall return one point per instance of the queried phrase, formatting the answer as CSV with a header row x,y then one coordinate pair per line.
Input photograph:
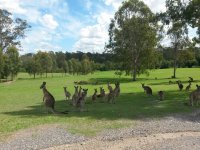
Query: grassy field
x,y
21,101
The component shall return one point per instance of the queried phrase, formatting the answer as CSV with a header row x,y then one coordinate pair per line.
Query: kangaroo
x,y
67,94
195,96
109,86
94,96
198,87
102,93
161,95
180,85
111,96
170,82
49,100
79,92
117,89
75,96
114,93
188,87
81,101
190,79
147,89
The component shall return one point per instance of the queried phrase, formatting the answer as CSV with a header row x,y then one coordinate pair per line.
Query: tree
x,y
11,30
65,67
132,36
192,16
1,63
54,63
13,61
45,62
177,28
86,65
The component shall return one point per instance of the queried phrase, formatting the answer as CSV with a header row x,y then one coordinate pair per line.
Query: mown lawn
x,y
21,101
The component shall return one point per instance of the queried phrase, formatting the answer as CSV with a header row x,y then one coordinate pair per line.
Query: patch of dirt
x,y
136,143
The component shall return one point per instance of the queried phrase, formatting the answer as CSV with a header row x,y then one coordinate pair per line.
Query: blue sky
x,y
67,25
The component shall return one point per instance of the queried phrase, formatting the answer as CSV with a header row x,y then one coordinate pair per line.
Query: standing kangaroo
x,y
75,96
94,96
147,89
188,87
79,92
180,85
109,86
48,99
67,94
117,89
81,100
190,79
111,96
195,96
161,95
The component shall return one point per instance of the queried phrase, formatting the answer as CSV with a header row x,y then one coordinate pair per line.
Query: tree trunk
x,y
34,75
175,62
134,71
46,74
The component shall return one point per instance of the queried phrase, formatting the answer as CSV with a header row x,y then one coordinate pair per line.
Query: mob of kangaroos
x,y
79,96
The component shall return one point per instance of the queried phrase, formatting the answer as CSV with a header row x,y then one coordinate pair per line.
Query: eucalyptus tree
x,y
45,62
192,17
13,61
132,36
176,28
11,30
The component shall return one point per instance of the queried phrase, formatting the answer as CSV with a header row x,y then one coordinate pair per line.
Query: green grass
x,y
21,101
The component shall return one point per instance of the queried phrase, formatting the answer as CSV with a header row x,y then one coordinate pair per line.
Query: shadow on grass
x,y
128,106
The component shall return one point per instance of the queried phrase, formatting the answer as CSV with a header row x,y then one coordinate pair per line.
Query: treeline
x,y
49,62
187,58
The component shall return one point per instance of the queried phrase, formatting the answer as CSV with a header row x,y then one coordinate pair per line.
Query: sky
x,y
67,25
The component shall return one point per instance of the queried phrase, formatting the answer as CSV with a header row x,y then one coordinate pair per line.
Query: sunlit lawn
x,y
21,101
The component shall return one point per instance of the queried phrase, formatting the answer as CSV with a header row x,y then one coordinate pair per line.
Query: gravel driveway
x,y
172,132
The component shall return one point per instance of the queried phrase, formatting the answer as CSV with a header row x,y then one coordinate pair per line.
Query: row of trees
x,y
136,33
46,62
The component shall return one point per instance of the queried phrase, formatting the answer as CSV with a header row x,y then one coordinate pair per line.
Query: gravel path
x,y
173,132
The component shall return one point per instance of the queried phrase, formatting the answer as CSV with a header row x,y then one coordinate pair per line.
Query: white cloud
x,y
49,21
92,38
114,3
13,6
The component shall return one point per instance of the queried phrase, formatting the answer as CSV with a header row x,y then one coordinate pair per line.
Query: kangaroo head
x,y
95,90
43,85
76,88
142,84
85,92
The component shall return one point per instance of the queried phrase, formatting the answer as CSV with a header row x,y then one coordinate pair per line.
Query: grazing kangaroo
x,y
147,89
161,95
67,94
94,96
75,96
170,82
188,87
180,85
195,96
49,100
81,100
